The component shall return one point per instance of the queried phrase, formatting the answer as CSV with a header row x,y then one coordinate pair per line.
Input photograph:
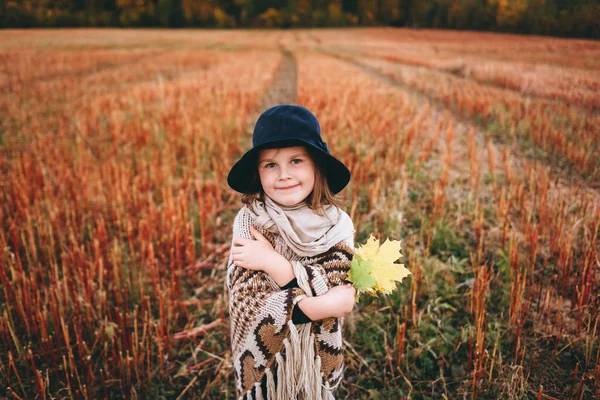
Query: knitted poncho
x,y
273,357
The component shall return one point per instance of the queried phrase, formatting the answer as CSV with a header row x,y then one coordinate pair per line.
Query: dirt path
x,y
283,88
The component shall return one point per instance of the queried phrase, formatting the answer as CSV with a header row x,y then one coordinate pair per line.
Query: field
x,y
478,150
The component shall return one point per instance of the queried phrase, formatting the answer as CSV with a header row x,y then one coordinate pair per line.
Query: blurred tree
x,y
319,15
367,11
170,13
271,18
198,13
261,6
551,17
335,14
302,9
420,13
18,15
292,14
510,14
246,12
136,12
533,18
222,19
466,14
389,11
585,17
350,6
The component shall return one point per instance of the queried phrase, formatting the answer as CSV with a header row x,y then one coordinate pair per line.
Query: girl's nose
x,y
283,173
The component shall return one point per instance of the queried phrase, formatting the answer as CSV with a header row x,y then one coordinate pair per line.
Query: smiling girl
x,y
291,251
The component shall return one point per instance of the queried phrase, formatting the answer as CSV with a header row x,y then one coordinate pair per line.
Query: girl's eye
x,y
294,161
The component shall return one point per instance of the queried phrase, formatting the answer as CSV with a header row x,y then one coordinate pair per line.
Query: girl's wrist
x,y
315,308
279,268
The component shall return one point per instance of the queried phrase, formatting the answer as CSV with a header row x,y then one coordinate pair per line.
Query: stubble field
x,y
478,150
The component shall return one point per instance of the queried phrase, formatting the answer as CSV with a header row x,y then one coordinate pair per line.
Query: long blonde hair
x,y
320,196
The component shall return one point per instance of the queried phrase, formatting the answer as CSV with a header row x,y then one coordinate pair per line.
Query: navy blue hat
x,y
286,125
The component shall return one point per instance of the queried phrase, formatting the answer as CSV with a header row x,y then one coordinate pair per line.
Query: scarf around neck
x,y
304,231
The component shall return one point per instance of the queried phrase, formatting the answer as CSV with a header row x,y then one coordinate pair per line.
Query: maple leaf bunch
x,y
374,269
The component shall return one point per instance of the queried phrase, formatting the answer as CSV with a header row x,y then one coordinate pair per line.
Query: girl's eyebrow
x,y
291,157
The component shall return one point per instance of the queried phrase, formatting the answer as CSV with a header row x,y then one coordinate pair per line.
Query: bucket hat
x,y
280,126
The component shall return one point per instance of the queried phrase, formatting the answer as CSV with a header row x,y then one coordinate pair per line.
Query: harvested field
x,y
478,150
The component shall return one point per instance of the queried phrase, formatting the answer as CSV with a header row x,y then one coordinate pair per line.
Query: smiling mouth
x,y
288,188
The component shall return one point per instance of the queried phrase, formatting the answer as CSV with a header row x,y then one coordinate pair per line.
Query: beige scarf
x,y
303,230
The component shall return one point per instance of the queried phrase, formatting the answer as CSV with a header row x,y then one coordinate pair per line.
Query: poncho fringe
x,y
302,376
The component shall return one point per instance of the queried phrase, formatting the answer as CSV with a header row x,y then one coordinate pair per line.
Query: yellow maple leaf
x,y
383,266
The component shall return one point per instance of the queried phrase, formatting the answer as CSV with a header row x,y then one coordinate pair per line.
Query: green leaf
x,y
360,274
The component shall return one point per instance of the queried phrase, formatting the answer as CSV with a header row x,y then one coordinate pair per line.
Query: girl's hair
x,y
320,196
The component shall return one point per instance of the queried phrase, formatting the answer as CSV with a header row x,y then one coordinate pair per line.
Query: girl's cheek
x,y
268,174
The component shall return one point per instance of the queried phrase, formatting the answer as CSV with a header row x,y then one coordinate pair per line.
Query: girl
x,y
291,251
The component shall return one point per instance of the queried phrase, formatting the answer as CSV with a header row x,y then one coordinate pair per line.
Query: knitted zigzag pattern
x,y
272,356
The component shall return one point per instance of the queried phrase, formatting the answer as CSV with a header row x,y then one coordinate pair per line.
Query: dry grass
x,y
116,217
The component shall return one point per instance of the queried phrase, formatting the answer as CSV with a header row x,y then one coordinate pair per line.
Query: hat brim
x,y
243,175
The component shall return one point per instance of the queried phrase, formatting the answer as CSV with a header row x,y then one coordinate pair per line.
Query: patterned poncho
x,y
272,357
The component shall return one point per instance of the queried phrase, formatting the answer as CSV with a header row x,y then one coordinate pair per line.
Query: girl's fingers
x,y
240,241
257,235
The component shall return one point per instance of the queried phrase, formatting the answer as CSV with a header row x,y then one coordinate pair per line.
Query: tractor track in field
x,y
565,175
283,89
460,71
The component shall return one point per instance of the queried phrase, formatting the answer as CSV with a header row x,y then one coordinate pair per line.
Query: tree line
x,y
573,18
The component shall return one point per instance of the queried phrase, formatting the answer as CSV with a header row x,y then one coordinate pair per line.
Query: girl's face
x,y
287,175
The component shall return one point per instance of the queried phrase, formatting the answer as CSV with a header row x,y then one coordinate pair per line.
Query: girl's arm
x,y
280,269
339,299
257,253
336,303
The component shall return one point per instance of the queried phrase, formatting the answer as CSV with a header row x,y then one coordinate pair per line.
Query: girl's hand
x,y
256,254
339,300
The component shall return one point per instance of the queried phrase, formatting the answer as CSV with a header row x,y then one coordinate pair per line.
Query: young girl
x,y
291,251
